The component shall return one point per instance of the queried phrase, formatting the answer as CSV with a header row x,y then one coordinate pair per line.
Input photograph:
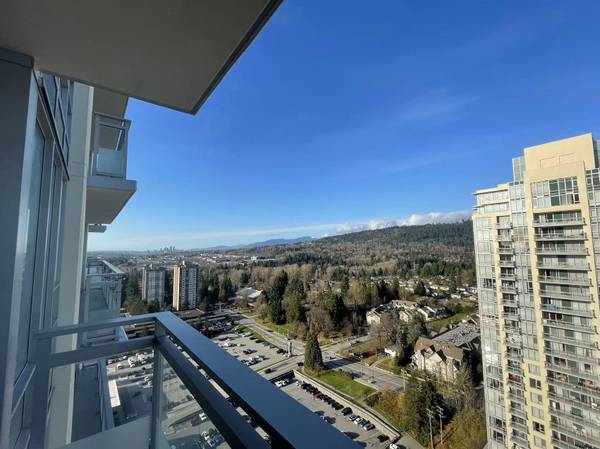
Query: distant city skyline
x,y
338,116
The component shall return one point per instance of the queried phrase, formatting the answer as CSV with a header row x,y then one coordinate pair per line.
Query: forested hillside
x,y
425,250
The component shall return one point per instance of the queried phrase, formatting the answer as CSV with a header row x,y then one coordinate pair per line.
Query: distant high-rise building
x,y
537,247
185,286
153,284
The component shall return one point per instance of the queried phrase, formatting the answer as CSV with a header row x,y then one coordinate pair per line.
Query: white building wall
x,y
73,259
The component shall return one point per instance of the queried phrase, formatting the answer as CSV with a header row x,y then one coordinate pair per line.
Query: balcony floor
x,y
86,409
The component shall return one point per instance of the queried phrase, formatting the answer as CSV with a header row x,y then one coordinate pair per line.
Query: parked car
x,y
369,426
382,438
268,370
346,411
365,425
352,417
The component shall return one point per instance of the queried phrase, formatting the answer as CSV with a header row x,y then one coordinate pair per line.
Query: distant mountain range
x,y
263,244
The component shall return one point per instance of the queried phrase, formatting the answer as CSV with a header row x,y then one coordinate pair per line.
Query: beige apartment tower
x,y
185,286
537,246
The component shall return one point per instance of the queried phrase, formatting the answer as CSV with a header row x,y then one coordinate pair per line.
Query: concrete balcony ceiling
x,y
172,53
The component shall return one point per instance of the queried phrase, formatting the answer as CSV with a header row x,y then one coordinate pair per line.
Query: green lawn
x,y
345,384
366,348
438,324
280,328
244,329
388,365
283,329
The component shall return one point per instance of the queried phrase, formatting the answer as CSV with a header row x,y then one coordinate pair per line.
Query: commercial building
x,y
185,286
153,284
537,242
67,70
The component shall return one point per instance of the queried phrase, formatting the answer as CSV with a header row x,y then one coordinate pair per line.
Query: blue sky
x,y
348,114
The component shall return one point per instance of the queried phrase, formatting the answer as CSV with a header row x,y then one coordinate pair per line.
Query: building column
x,y
73,257
18,107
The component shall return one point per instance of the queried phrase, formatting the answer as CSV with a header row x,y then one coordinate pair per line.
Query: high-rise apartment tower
x,y
537,246
153,284
185,286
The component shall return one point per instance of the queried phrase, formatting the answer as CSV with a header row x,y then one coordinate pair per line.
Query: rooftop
x,y
460,335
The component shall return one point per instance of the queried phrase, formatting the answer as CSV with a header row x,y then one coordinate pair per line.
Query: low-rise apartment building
x,y
448,353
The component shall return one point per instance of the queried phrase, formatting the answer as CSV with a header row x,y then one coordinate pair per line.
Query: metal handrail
x,y
273,410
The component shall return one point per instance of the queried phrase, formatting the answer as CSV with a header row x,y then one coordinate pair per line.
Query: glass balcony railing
x,y
558,235
560,265
221,396
109,153
548,279
567,310
579,342
101,299
571,370
560,250
575,296
559,221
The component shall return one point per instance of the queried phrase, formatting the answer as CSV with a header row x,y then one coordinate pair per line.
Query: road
x,y
374,377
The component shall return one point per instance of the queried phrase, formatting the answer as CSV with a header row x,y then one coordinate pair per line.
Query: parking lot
x,y
183,423
258,355
365,438
135,388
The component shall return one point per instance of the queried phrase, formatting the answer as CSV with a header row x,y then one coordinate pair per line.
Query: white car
x,y
203,417
120,366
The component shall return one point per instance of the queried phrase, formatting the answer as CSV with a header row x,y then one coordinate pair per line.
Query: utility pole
x,y
440,411
430,415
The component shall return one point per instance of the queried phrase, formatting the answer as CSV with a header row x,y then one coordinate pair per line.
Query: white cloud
x,y
414,219
249,235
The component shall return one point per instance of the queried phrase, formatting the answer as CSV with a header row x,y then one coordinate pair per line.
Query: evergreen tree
x,y
345,286
278,286
313,359
420,395
275,295
244,278
420,289
276,312
153,307
293,301
226,290
415,328
335,307
395,289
